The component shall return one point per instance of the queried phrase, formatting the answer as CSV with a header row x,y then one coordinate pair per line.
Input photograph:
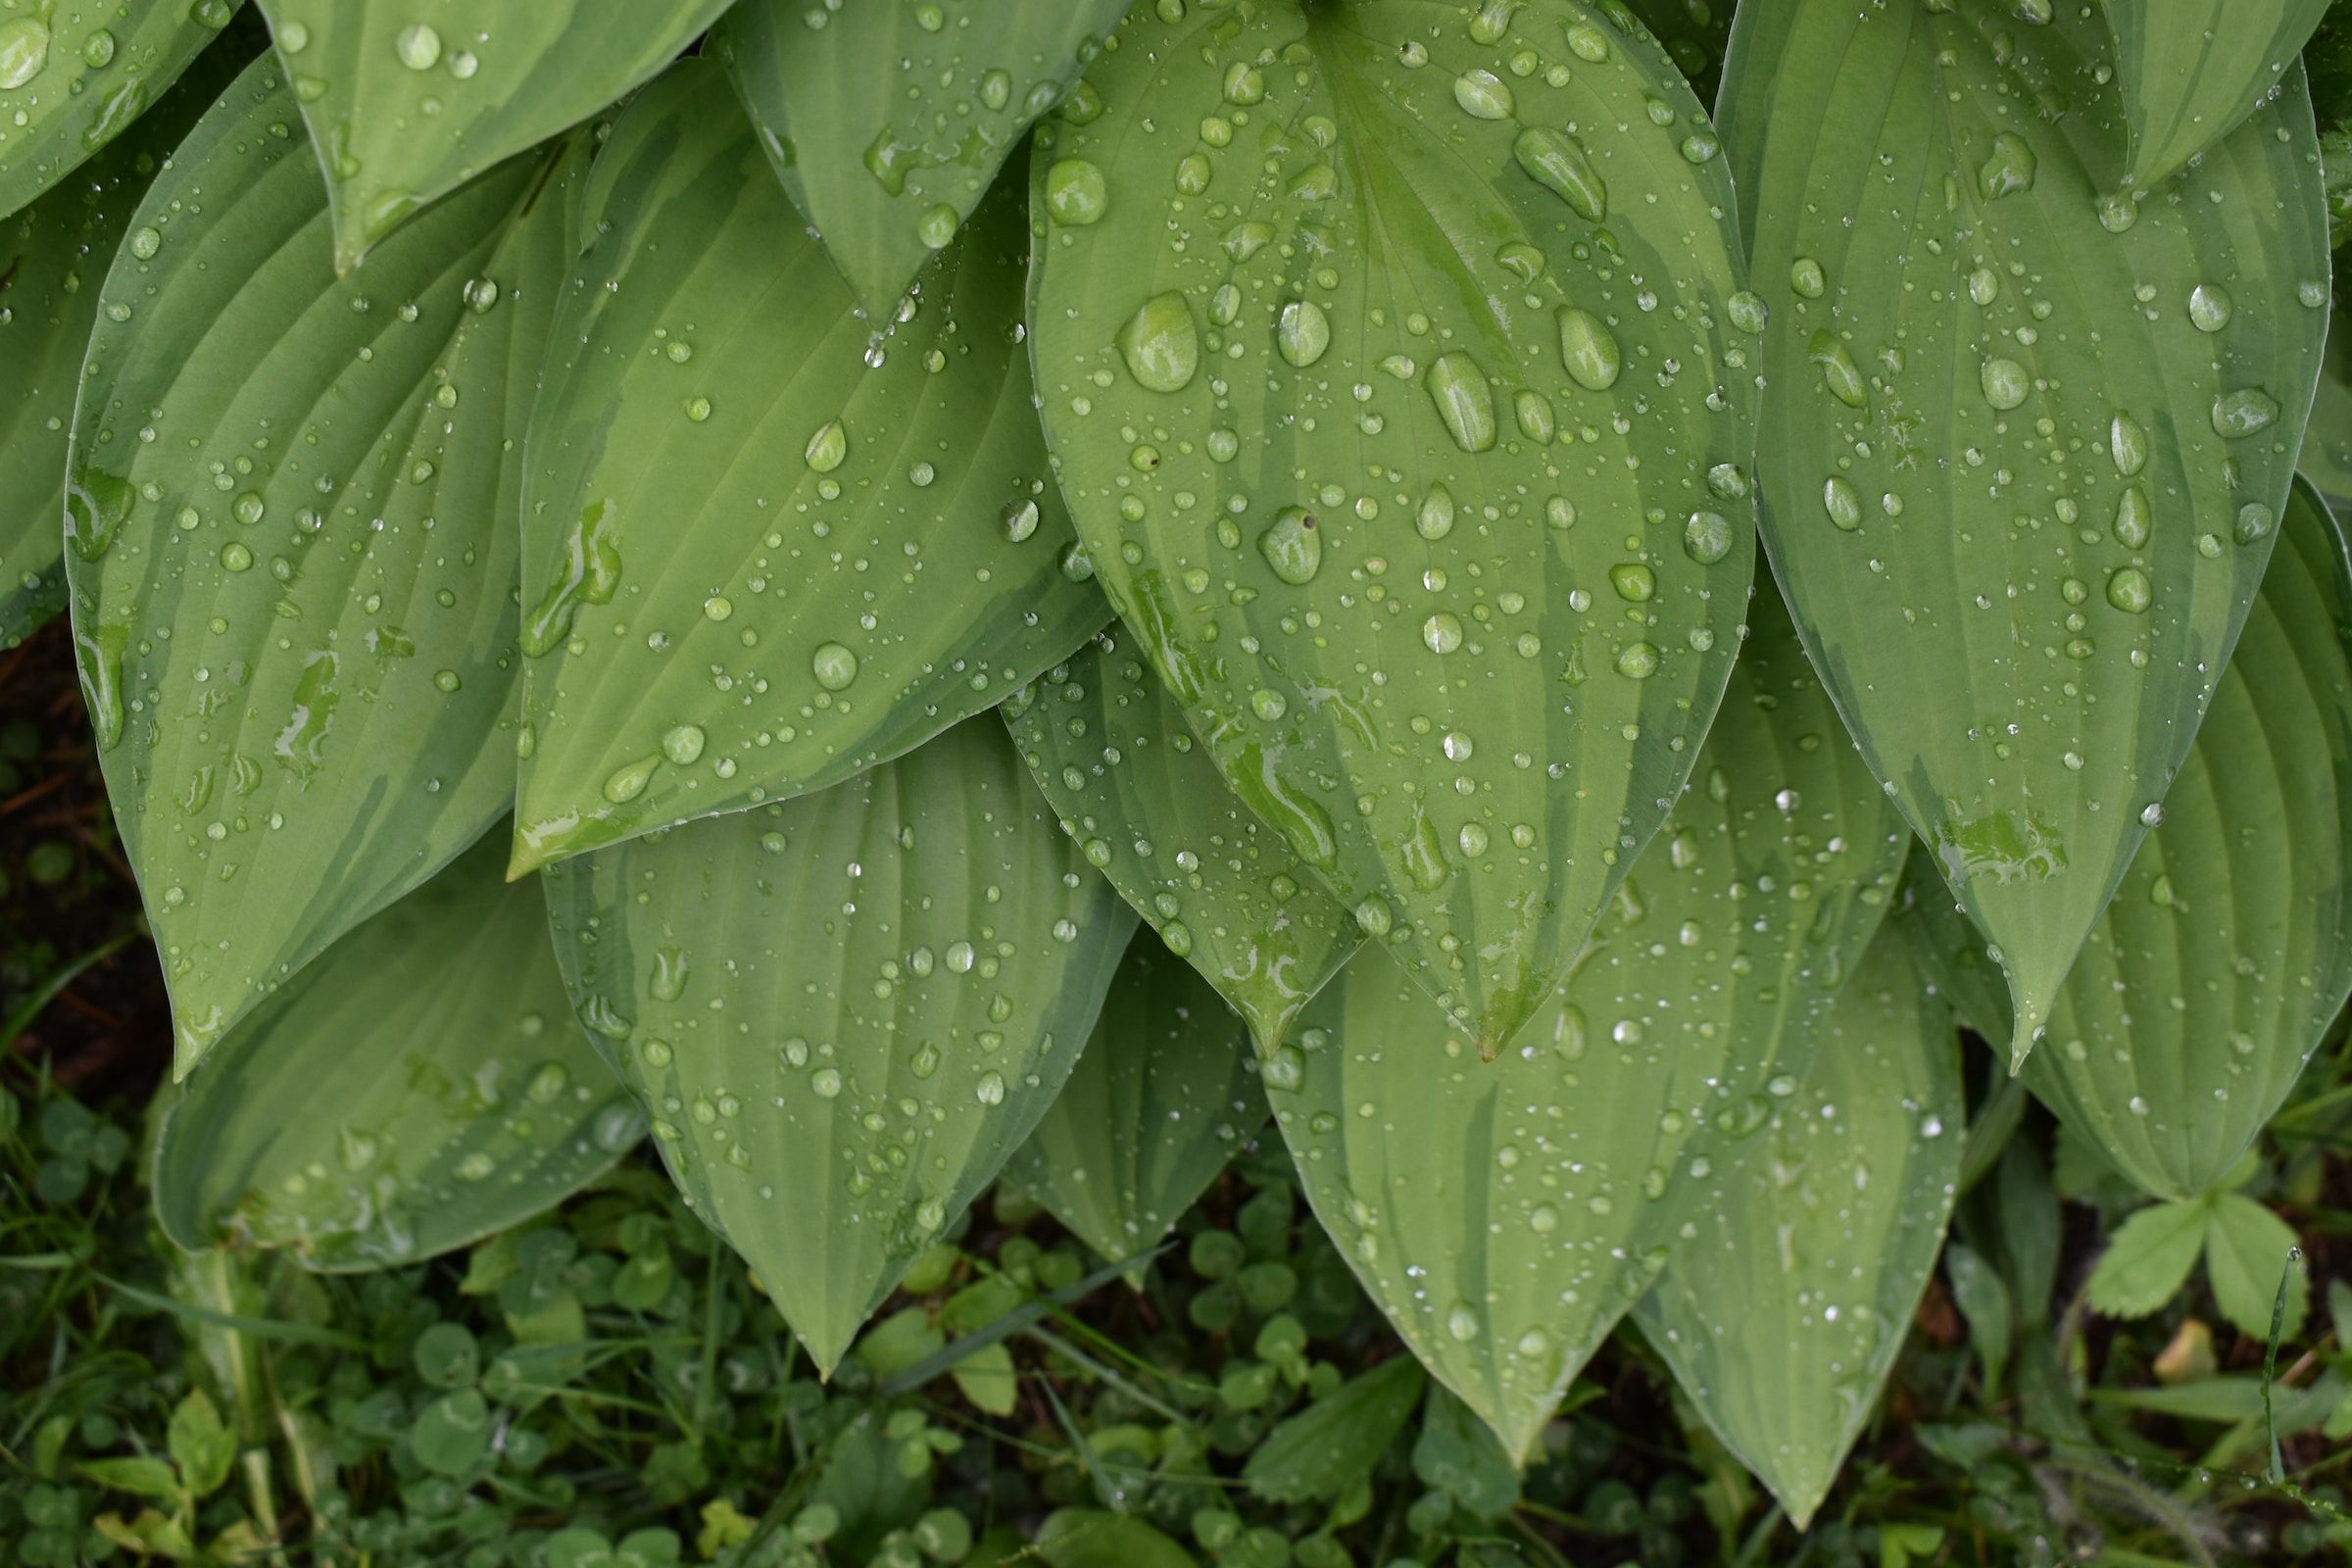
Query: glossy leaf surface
x,y
1164,1094
2227,951
1224,891
53,257
2326,455
2028,441
885,122
1781,1316
2192,69
1504,1214
292,546
73,77
845,1011
408,99
766,548
421,1086
1400,402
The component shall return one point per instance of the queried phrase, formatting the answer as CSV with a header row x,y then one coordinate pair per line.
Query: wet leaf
x,y
75,78
1110,747
408,99
291,545
1504,1214
885,122
1401,400
1781,1316
2326,455
1333,1442
53,257
766,548
2191,70
2225,953
1948,949
1095,1538
2212,977
845,1011
1163,1095
2021,485
421,1086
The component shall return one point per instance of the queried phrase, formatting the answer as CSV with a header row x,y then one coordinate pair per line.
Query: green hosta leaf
x,y
2029,442
1948,949
769,548
2326,455
292,545
409,99
1333,1442
73,77
2192,69
1783,1314
1504,1214
885,122
53,257
1163,1094
1399,399
2225,953
2248,1251
421,1086
2148,1258
845,1010
1108,746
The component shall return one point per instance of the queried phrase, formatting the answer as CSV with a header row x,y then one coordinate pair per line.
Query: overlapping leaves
x,y
2030,437
75,78
2224,955
847,1010
421,1086
887,123
52,256
1505,1214
2192,69
769,545
1782,1311
1223,890
1401,397
292,543
1162,1097
408,99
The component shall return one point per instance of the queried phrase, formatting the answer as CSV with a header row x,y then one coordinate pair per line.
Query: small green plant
x,y
705,573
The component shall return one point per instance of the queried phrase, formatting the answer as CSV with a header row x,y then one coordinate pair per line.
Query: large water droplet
x,y
1464,402
1559,163
1160,344
1292,545
1589,350
1302,333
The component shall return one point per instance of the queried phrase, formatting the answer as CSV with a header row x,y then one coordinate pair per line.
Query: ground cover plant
x,y
1280,747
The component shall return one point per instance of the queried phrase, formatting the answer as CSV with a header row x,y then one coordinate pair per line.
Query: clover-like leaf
x,y
770,545
2191,70
2028,439
1505,1214
292,543
418,1087
408,99
1782,1312
53,257
1402,398
75,78
845,1011
1108,746
1163,1095
885,122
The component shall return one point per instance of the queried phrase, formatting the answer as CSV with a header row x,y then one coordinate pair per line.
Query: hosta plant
x,y
906,595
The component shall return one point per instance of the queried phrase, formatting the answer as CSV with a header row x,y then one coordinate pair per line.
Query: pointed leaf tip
x,y
1413,738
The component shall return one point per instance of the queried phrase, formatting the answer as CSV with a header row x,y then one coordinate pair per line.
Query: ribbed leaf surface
x,y
1401,396
845,1011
